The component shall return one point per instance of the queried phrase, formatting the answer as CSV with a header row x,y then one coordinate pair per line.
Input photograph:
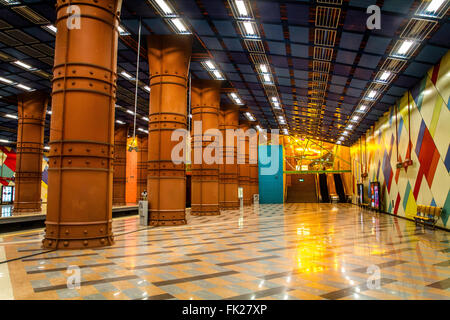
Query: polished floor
x,y
291,251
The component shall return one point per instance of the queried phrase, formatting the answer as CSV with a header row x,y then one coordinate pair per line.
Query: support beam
x,y
31,108
142,158
79,211
120,165
205,104
229,177
169,58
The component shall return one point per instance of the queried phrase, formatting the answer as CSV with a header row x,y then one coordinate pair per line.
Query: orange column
x,y
131,172
244,168
230,175
79,210
254,188
120,161
222,165
169,58
205,104
30,147
142,165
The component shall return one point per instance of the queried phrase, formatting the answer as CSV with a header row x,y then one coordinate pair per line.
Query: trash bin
x,y
143,213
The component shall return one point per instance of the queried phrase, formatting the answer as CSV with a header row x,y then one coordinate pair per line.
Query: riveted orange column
x,y
79,210
230,175
169,57
205,103
254,187
222,165
244,168
30,147
120,162
142,165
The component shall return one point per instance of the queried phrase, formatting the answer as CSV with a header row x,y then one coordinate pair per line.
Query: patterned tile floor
x,y
291,251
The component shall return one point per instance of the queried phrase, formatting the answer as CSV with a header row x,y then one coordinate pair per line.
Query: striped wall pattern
x,y
427,181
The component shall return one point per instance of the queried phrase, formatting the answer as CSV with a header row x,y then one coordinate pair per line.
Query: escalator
x,y
302,189
339,187
324,188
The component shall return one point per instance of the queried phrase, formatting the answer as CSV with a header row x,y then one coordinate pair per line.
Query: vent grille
x,y
30,51
418,29
321,53
335,2
30,15
319,76
5,57
22,36
324,37
254,46
9,40
49,51
327,17
393,65
321,66
4,24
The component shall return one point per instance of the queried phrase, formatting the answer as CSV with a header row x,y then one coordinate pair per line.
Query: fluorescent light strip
x,y
404,48
242,9
24,87
23,64
51,28
434,5
120,122
179,25
12,116
126,75
249,28
210,65
7,81
385,76
147,88
217,74
164,7
130,112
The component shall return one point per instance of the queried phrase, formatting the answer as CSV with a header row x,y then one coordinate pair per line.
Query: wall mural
x,y
423,137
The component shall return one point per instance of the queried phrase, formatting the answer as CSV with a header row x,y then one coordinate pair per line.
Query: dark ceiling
x,y
288,30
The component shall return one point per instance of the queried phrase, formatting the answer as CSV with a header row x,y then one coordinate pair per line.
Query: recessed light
x,y
385,75
147,88
372,94
210,65
126,75
120,122
51,28
179,25
23,65
263,68
22,86
164,7
145,118
7,81
240,5
12,116
249,28
130,112
355,118
267,78
434,5
217,74
406,45
362,108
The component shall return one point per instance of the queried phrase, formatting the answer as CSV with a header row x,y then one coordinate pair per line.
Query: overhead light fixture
x,y
164,7
51,28
242,9
12,116
372,94
47,148
24,87
210,65
339,142
285,131
385,76
4,80
49,112
179,25
147,88
123,31
406,45
238,101
274,99
345,133
434,5
4,141
217,74
276,105
250,116
120,122
263,68
23,65
355,118
126,75
234,95
267,78
258,127
142,130
130,112
145,118
249,28
362,108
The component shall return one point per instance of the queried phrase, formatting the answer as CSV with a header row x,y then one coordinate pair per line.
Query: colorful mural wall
x,y
8,169
423,137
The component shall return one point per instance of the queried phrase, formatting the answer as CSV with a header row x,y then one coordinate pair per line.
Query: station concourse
x,y
224,149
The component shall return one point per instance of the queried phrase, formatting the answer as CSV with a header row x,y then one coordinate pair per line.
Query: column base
x,y
74,244
167,218
205,210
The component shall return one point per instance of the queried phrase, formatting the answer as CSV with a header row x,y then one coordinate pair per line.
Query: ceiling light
x,y
23,65
179,25
145,118
147,88
274,99
250,116
240,5
51,28
49,112
47,148
22,86
126,75
234,95
339,142
258,127
355,118
263,68
362,108
4,141
142,130
130,112
210,65
123,31
372,94
5,80
267,78
406,45
238,101
217,74
350,127
276,104
249,28
120,122
385,75
12,116
345,133
434,5
285,131
164,7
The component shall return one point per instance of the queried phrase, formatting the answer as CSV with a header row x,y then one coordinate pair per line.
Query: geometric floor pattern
x,y
290,251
